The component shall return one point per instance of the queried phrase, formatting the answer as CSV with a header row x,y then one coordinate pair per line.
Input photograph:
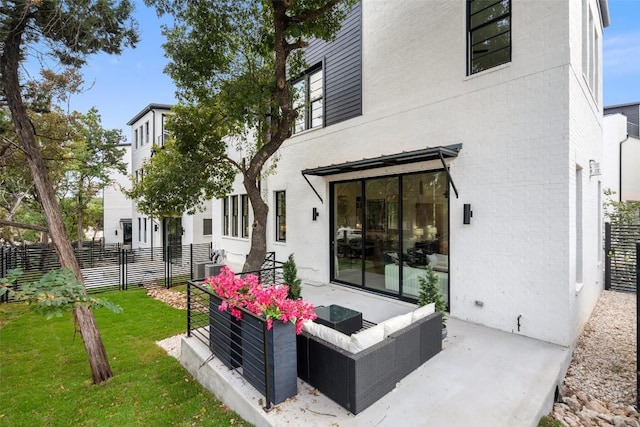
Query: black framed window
x,y
244,201
225,216
281,216
234,216
488,34
309,101
146,132
207,228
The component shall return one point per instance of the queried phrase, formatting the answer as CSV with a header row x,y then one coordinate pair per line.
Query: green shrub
x,y
430,293
290,278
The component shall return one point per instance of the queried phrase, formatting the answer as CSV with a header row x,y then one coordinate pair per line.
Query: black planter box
x,y
282,358
225,339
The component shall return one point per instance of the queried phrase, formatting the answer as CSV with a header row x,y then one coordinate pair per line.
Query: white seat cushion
x,y
329,335
396,323
366,338
423,311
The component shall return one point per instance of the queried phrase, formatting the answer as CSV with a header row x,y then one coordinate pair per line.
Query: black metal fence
x,y
226,338
620,256
111,267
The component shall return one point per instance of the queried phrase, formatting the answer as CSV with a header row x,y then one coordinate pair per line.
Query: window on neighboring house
x,y
141,136
308,100
145,231
488,34
146,132
244,212
135,138
207,227
281,216
225,216
234,216
139,229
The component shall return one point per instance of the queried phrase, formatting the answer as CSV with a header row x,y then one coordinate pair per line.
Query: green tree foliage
x,y
620,212
56,292
65,31
92,156
232,61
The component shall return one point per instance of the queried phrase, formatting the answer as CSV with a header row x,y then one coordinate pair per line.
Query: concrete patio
x,y
482,377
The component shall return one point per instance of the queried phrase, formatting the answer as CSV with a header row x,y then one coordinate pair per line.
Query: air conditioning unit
x,y
199,270
212,269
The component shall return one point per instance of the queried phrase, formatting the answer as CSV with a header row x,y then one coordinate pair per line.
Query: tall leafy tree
x,y
232,62
68,31
92,156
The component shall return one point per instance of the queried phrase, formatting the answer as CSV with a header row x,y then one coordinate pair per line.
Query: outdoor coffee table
x,y
340,318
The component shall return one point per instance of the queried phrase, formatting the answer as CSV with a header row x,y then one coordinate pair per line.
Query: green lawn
x,y
45,378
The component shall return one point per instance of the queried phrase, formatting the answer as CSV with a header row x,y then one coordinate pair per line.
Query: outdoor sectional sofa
x,y
355,380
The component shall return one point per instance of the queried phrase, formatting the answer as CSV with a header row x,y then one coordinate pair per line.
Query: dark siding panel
x,y
342,69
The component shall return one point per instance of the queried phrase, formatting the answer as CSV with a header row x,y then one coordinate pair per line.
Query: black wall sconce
x,y
155,227
315,214
468,213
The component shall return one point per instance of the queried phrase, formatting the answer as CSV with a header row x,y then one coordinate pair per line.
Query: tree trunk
x,y
9,63
258,251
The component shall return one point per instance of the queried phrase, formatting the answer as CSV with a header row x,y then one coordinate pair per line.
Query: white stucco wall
x,y
526,126
630,171
614,132
116,205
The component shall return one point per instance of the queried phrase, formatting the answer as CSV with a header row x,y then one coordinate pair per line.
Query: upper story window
x,y
590,50
308,100
146,132
488,34
135,138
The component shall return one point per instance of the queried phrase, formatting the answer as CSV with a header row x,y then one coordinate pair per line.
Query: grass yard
x,y
45,378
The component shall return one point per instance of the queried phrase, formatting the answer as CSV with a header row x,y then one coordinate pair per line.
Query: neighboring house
x,y
622,151
117,207
148,129
450,134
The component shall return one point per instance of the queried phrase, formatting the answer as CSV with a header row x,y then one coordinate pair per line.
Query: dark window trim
x,y
244,214
234,215
225,216
281,219
508,15
207,226
305,76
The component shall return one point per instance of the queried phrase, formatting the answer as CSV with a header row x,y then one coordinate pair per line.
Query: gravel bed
x,y
600,386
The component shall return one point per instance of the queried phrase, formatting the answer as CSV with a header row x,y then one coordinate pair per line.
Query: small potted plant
x,y
430,293
290,278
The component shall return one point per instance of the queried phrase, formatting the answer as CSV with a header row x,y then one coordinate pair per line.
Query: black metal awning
x,y
433,153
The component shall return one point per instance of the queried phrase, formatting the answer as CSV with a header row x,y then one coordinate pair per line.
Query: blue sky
x,y
122,86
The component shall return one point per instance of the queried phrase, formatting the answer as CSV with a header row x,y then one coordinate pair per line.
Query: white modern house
x,y
622,151
147,130
117,207
455,134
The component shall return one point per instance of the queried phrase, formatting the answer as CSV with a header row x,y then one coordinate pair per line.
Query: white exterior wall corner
x,y
515,169
586,145
615,132
630,172
116,205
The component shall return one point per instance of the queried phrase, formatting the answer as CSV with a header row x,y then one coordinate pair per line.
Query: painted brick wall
x,y
524,127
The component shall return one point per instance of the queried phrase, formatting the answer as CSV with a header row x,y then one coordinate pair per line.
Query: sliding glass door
x,y
388,229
